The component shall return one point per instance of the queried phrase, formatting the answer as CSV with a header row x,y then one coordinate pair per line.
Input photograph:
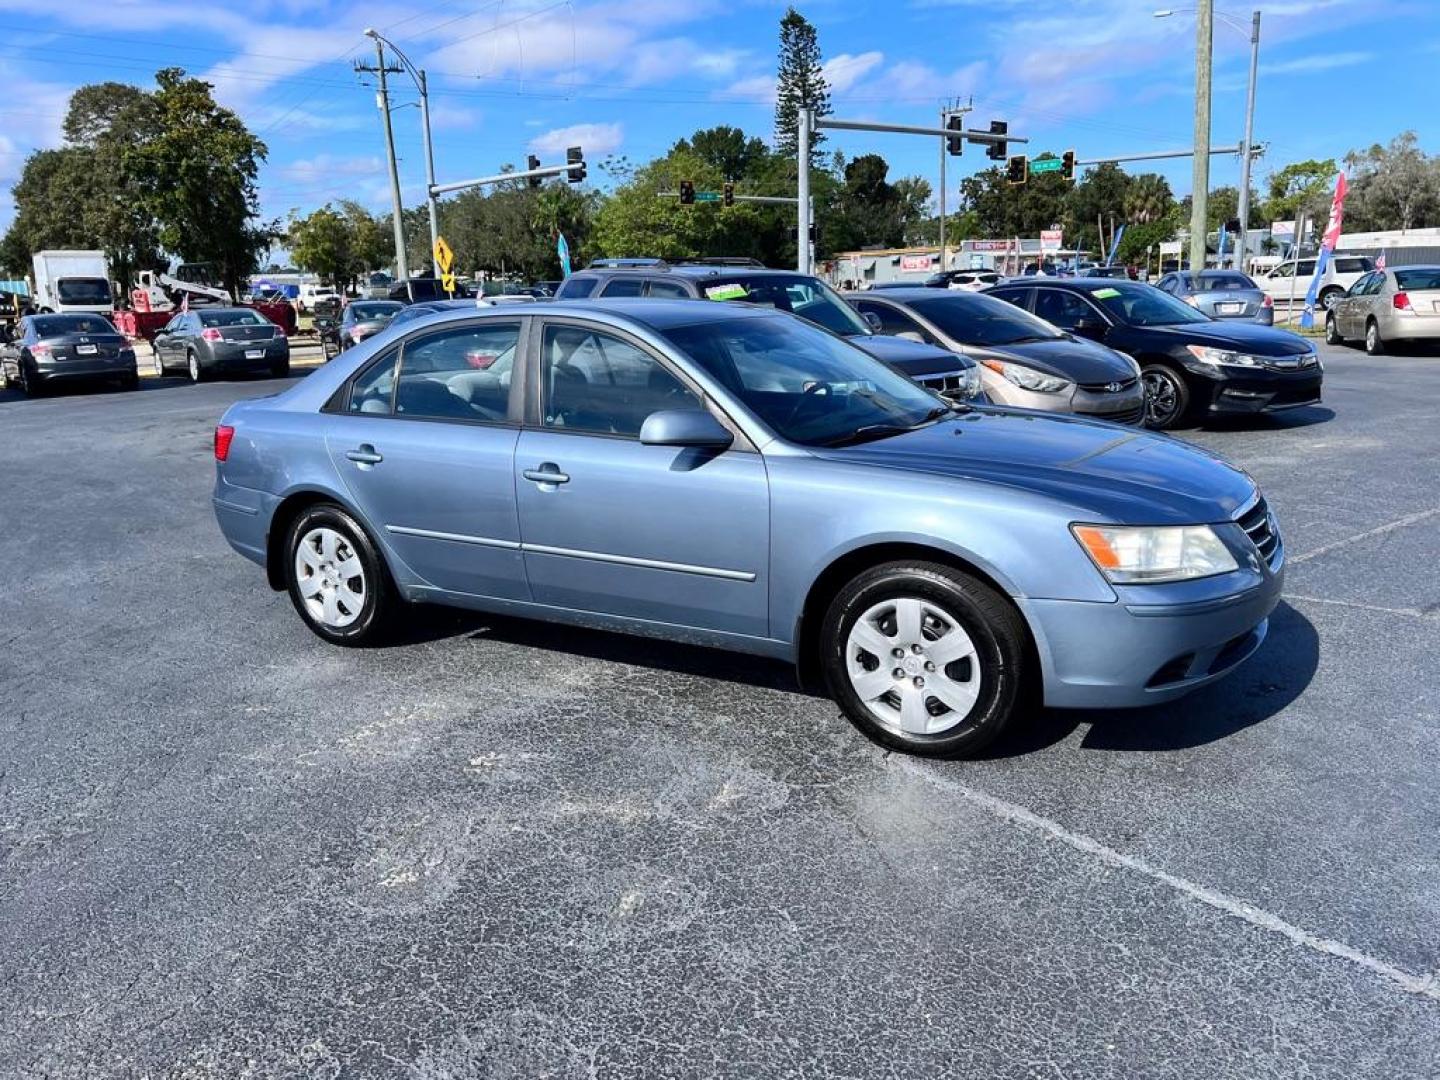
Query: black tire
x,y
193,368
1329,297
1374,343
130,381
999,663
1167,397
30,383
378,618
281,370
1332,331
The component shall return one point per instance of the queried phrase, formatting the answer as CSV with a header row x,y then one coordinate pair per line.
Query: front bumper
x,y
1123,406
1239,391
1156,643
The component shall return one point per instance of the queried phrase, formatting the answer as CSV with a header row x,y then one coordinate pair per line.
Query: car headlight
x,y
1223,357
1148,555
1027,378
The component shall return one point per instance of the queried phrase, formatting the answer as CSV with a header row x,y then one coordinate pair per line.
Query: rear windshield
x,y
83,290
231,318
1224,282
55,325
1418,278
383,309
576,288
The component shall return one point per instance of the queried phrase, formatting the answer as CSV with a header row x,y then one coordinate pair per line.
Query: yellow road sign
x,y
444,257
447,280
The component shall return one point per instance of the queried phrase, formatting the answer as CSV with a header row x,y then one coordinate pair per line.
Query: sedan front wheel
x,y
1167,398
336,579
924,659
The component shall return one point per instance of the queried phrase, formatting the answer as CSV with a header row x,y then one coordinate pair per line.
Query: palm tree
x,y
1148,199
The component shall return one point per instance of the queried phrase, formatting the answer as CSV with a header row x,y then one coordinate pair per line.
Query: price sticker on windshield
x,y
1106,294
726,292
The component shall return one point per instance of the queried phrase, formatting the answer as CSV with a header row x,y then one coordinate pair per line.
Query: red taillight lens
x,y
279,331
223,434
210,334
40,349
1267,302
1401,301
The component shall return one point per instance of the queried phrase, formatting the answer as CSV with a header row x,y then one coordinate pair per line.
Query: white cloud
x,y
1317,62
844,71
760,87
595,139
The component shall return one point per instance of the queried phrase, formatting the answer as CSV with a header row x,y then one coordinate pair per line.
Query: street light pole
x,y
1242,251
417,76
1200,176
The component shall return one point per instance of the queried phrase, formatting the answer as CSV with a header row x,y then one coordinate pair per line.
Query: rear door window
x,y
1061,308
374,388
623,286
668,289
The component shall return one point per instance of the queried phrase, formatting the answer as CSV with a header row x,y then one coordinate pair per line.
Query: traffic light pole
x,y
802,190
499,178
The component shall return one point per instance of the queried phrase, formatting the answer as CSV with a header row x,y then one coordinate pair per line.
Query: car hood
x,y
911,357
1242,337
1070,358
1104,471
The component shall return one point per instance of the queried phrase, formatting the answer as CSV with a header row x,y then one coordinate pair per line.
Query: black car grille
x,y
1118,387
1123,416
1259,526
950,385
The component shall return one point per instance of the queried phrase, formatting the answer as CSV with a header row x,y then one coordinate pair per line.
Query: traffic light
x,y
955,144
687,193
575,158
728,193
533,162
1067,165
998,151
1017,169
814,233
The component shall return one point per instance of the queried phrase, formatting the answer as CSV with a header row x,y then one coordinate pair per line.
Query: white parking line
x,y
1414,613
1399,523
1014,814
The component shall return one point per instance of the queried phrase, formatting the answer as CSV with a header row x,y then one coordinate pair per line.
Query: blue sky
x,y
510,77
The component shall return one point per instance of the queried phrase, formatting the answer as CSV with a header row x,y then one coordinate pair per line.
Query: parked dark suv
x,y
745,280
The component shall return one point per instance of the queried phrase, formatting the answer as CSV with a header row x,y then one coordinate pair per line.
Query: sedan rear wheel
x,y
1332,331
1167,398
1374,343
192,365
336,579
924,658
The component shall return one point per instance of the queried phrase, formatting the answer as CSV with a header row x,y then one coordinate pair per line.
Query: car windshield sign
x,y
983,320
1144,305
808,297
806,385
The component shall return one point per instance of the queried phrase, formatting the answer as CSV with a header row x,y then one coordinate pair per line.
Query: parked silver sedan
x,y
1221,294
1388,306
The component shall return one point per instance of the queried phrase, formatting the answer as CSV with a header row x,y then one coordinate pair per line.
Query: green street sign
x,y
707,196
1046,165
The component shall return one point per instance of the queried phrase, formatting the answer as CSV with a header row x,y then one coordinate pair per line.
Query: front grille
x,y
1131,416
950,384
1259,526
1118,387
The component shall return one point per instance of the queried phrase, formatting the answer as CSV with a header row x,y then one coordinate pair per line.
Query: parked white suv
x,y
1342,272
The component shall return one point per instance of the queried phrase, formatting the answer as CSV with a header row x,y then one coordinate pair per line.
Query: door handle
x,y
546,474
365,454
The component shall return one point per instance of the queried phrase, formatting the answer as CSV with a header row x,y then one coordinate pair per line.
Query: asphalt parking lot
x,y
506,849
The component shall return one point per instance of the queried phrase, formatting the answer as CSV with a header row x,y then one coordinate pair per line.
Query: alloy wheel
x,y
913,666
157,362
1372,339
1162,399
194,366
330,578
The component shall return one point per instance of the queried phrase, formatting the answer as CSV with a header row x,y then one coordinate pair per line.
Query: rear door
x,y
662,534
425,444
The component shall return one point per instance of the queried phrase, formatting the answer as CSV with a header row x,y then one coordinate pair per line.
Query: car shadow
x,y
1306,416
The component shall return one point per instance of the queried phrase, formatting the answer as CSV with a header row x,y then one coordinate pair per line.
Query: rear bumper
x,y
227,357
99,368
1127,654
1414,328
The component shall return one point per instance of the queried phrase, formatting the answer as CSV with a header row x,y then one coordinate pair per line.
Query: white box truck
x,y
72,281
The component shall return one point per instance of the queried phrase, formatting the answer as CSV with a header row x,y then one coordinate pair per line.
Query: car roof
x,y
695,270
655,314
1085,285
910,292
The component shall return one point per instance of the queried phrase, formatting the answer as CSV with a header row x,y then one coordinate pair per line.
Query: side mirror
x,y
1093,329
871,320
684,427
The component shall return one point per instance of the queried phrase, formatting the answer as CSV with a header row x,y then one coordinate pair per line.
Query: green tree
x,y
321,242
200,172
1148,199
1300,186
1004,210
728,150
372,241
1394,186
800,83
1099,194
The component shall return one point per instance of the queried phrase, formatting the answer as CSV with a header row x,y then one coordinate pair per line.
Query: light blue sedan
x,y
735,477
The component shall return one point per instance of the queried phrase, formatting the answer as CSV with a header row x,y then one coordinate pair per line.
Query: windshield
x,y
808,297
807,386
1217,282
1145,305
55,325
1420,278
974,319
232,318
82,290
381,311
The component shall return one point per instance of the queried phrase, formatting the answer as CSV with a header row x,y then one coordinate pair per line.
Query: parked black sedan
x,y
361,319
208,341
1191,364
50,349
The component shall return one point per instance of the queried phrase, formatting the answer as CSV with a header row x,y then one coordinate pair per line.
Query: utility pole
x,y
1200,188
382,99
803,217
1243,250
429,166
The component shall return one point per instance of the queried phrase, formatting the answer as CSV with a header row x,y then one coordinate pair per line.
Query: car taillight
x,y
223,434
1266,301
210,334
41,349
279,331
1401,301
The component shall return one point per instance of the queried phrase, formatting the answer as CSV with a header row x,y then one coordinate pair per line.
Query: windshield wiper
x,y
1031,337
867,432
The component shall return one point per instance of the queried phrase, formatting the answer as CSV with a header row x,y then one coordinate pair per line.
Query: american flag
x,y
1380,262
